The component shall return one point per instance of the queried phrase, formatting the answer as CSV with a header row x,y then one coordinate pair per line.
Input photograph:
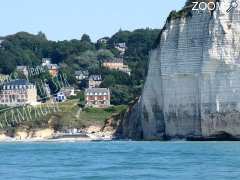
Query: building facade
x,y
116,64
60,97
94,81
53,69
23,70
81,75
121,47
97,97
18,92
46,61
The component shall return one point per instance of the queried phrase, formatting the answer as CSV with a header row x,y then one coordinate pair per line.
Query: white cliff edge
x,y
193,83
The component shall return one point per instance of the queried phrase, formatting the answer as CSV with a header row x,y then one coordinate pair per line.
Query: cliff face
x,y
193,83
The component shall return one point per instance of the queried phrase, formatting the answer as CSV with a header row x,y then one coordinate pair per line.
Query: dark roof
x,y
77,73
18,82
114,60
97,90
95,77
21,67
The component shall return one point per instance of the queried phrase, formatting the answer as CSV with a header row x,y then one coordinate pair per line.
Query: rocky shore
x,y
92,133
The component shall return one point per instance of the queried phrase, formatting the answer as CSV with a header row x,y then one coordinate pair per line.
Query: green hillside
x,y
28,49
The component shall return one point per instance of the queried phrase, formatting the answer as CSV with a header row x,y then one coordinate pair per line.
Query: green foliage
x,y
103,54
86,38
121,94
27,49
86,60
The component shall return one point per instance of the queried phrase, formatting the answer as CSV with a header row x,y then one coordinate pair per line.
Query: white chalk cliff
x,y
193,82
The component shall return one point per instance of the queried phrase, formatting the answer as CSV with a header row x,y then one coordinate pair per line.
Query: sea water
x,y
120,160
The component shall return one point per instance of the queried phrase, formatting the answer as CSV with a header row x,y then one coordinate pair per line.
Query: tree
x,y
86,38
104,54
41,35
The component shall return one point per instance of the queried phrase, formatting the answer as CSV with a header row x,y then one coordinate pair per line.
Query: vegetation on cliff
x,y
69,115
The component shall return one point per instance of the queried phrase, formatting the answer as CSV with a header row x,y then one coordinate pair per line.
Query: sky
x,y
69,19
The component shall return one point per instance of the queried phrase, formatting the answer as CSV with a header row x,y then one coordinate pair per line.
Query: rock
x,y
21,135
193,83
4,137
43,133
93,129
34,134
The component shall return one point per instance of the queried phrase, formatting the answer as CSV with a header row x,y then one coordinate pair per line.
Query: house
x,y
18,92
97,97
94,81
104,40
23,70
121,47
116,64
46,61
60,97
53,69
81,75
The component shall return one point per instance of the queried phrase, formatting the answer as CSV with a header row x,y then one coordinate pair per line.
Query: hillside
x,y
27,49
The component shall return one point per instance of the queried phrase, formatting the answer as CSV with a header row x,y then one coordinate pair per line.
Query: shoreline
x,y
76,139
101,139
58,138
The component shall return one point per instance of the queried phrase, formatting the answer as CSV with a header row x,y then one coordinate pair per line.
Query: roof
x,y
77,73
18,82
97,90
95,77
52,66
46,59
114,60
21,67
121,45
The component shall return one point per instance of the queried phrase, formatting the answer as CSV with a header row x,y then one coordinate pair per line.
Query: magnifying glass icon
x,y
233,5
